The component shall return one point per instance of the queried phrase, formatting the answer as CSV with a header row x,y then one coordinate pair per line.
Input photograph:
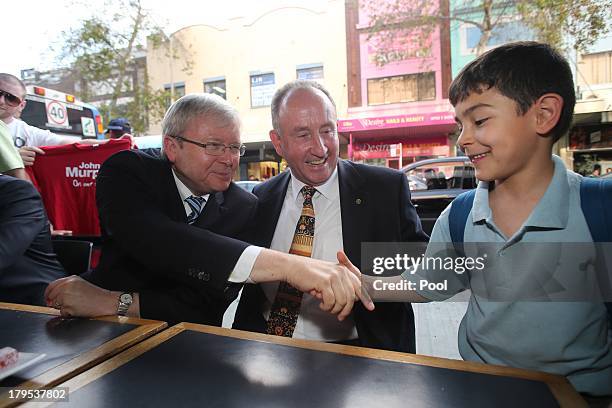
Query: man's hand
x,y
74,296
28,154
336,285
131,138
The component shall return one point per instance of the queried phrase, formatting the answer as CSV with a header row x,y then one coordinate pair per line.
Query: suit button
x,y
204,276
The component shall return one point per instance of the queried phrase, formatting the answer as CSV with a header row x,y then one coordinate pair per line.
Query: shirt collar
x,y
329,189
183,190
552,211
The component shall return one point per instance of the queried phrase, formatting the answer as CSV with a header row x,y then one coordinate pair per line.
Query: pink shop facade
x,y
399,111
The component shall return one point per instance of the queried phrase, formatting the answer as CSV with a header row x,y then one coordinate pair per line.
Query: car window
x,y
438,176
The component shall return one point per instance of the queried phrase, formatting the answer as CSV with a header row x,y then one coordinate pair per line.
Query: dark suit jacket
x,y
376,207
180,270
27,261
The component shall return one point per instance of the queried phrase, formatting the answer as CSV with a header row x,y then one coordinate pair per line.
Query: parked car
x,y
434,183
248,185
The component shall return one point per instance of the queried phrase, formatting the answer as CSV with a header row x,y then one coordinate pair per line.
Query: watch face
x,y
125,298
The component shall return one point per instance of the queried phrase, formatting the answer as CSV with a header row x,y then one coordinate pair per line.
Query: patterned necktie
x,y
197,205
286,306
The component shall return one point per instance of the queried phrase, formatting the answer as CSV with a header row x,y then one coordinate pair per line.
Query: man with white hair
x,y
171,228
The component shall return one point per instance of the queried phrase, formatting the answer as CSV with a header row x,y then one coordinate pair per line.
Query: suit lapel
x,y
212,210
169,193
271,199
354,205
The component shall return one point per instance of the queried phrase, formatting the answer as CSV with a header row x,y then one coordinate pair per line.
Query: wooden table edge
x,y
71,368
563,391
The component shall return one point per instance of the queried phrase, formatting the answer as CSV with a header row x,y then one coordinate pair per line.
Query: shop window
x,y
402,88
262,89
215,86
310,72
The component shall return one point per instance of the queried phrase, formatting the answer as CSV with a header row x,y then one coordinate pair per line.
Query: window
x,y
179,90
402,88
262,89
215,86
311,72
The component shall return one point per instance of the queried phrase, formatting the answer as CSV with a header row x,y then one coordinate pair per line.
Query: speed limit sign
x,y
57,114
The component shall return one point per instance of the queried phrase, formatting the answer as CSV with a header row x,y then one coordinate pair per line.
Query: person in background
x,y
10,161
28,139
118,127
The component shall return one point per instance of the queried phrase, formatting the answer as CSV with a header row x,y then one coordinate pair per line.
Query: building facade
x,y
246,59
398,112
589,144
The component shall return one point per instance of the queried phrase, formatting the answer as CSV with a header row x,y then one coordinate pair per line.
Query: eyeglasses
x,y
216,149
10,99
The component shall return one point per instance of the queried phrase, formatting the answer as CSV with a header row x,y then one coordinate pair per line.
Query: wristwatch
x,y
125,301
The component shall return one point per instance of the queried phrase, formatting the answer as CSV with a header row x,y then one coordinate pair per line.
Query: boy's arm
x,y
408,287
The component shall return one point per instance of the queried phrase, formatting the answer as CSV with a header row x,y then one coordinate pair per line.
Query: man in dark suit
x,y
171,226
352,203
27,261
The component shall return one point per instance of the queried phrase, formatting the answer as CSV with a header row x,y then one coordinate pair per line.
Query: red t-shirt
x,y
65,176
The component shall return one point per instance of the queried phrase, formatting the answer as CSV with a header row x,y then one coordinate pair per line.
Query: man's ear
x,y
276,141
21,106
170,148
548,111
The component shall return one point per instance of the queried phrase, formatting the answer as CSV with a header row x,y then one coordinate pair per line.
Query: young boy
x,y
512,103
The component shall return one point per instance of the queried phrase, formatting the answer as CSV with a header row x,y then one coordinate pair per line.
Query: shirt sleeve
x,y
42,137
9,155
244,266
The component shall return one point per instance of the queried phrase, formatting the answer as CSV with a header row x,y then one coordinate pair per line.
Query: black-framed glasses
x,y
10,99
216,148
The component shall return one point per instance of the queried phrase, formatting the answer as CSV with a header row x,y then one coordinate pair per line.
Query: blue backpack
x,y
596,204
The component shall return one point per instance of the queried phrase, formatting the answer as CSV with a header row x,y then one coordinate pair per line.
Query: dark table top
x,y
195,365
71,345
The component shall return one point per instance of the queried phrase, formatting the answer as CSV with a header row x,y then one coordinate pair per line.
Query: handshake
x,y
336,285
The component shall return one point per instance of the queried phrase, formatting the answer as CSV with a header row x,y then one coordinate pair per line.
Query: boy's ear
x,y
548,111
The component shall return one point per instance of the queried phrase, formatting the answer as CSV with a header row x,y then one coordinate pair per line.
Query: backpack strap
x,y
457,218
596,203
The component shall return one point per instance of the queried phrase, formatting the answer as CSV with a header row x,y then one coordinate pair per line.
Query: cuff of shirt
x,y
244,266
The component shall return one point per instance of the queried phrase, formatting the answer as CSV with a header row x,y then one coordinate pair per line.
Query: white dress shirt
x,y
313,323
244,266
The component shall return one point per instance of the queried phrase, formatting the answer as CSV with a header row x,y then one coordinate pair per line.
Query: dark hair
x,y
282,94
522,71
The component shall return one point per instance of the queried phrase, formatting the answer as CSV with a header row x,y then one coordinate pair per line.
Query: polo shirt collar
x,y
552,211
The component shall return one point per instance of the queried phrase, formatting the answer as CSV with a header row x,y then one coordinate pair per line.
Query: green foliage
x,y
101,53
399,25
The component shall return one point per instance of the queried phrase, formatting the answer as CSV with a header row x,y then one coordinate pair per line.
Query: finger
x,y
340,292
327,295
350,297
364,297
37,150
343,260
59,287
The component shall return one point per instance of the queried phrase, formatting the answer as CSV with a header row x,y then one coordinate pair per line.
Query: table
x,y
71,345
197,365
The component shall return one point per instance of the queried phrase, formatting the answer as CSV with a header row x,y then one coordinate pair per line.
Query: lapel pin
x,y
358,201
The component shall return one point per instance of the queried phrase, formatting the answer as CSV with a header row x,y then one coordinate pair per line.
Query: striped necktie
x,y
197,205
286,307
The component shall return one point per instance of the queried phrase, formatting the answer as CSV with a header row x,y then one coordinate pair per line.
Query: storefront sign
x,y
389,122
431,146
